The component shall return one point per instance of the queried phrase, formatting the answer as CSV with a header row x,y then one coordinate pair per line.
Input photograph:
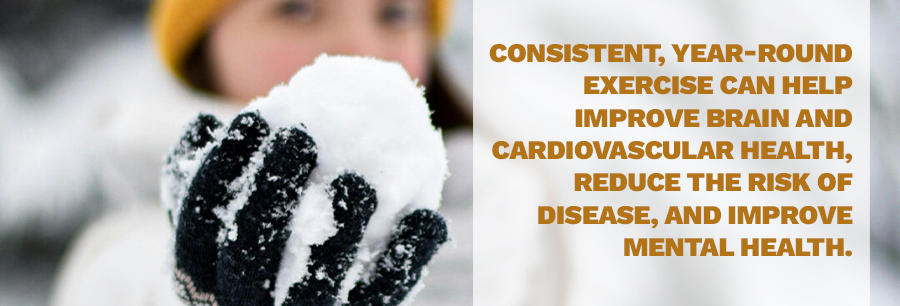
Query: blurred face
x,y
258,44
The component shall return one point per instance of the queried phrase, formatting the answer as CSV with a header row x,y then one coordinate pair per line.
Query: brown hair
x,y
198,68
444,104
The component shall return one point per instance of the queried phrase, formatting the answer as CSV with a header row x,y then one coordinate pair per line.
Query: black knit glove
x,y
260,173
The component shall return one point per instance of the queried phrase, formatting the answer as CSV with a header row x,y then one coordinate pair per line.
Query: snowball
x,y
366,116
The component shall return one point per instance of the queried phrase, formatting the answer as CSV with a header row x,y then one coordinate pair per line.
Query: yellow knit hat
x,y
177,25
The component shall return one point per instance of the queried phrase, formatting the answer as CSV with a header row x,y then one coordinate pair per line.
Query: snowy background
x,y
39,41
885,137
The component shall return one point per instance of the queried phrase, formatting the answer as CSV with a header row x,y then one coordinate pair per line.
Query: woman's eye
x,y
399,14
301,10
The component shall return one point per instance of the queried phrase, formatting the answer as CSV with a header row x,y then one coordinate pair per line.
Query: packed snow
x,y
366,116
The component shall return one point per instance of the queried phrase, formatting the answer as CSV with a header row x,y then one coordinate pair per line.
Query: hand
x,y
232,195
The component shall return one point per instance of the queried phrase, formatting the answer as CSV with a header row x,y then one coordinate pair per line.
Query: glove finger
x,y
249,262
196,250
415,240
199,133
354,203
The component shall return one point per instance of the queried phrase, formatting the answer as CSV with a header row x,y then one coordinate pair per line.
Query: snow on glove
x,y
266,215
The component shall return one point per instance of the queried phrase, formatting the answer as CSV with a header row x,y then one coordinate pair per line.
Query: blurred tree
x,y
41,37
